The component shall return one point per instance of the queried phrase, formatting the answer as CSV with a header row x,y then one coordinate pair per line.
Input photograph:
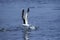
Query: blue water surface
x,y
44,14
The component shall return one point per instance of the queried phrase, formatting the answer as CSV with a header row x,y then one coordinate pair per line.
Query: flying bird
x,y
25,19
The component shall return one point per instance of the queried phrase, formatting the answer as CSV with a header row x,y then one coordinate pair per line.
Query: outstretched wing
x,y
23,16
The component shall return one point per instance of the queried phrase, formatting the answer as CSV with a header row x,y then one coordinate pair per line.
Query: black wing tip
x,y
22,13
22,10
28,9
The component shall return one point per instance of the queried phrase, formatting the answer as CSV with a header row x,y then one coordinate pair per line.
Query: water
x,y
44,14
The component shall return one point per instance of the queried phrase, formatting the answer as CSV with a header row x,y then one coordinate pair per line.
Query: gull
x,y
25,20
